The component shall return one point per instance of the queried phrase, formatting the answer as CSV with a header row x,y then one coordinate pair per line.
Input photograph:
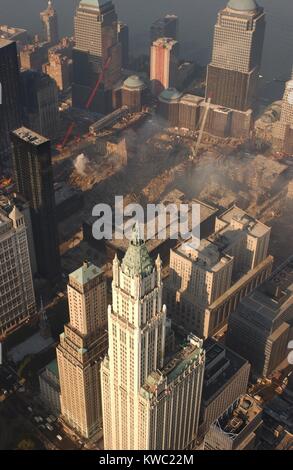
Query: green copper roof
x,y
134,81
242,5
93,3
170,94
86,273
137,260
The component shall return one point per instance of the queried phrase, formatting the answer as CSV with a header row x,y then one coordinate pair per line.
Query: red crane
x,y
88,103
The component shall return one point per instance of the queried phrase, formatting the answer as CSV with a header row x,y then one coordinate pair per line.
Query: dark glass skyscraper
x,y
34,181
10,104
123,38
96,40
166,27
237,52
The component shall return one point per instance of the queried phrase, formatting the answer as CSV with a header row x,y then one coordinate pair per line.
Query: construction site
x,y
136,155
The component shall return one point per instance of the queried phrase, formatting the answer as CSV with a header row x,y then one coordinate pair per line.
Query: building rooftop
x,y
207,254
281,411
166,43
270,301
86,273
134,81
191,100
30,136
4,42
235,422
237,217
222,364
94,4
242,5
170,94
188,353
11,33
137,260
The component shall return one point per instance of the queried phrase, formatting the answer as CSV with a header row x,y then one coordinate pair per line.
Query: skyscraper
x,y
59,68
81,347
207,282
238,43
261,327
164,64
150,400
17,298
40,103
123,38
96,37
49,19
283,129
10,103
34,181
166,27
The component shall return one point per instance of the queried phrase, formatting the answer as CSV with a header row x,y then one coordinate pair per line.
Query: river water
x,y
197,18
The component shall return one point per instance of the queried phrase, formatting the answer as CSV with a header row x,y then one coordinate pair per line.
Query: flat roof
x,y
5,42
219,357
254,226
241,416
270,300
166,43
189,352
207,254
30,136
86,273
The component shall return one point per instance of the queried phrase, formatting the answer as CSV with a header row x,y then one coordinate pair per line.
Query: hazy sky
x,y
197,18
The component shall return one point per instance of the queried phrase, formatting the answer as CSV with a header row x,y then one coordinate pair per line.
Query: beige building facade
x,y
17,297
79,352
207,282
164,64
142,387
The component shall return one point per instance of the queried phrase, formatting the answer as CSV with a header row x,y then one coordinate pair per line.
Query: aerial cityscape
x,y
146,229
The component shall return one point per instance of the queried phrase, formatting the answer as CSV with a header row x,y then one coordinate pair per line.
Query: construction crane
x,y
201,131
88,103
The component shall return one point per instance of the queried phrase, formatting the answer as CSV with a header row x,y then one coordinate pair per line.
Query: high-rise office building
x,y
96,43
207,282
134,93
225,381
17,298
166,27
49,20
7,204
59,68
237,50
164,64
81,347
261,327
10,102
150,400
33,175
123,38
283,129
40,103
34,56
238,429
